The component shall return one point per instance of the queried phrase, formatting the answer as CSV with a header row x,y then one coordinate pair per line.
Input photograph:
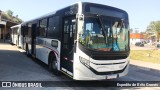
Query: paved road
x,y
16,66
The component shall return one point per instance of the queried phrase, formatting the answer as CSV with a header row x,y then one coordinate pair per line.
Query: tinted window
x,y
53,27
29,30
42,28
25,29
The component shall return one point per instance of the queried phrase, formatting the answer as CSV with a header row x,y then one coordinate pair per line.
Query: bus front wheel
x,y
53,65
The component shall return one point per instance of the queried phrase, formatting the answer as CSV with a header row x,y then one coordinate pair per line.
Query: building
x,y
136,37
151,36
5,27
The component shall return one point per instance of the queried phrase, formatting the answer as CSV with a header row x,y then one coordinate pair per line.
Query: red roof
x,y
136,36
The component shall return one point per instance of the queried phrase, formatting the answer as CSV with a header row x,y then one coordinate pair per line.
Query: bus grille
x,y
108,57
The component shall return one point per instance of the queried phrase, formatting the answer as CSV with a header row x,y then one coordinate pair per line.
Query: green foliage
x,y
154,26
9,16
10,13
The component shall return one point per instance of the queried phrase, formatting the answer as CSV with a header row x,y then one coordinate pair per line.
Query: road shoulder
x,y
146,65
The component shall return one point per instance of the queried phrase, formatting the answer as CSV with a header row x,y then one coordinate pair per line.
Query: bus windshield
x,y
105,34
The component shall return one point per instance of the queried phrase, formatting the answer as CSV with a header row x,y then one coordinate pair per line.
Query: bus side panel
x,y
29,44
11,35
20,41
44,48
20,38
15,39
41,52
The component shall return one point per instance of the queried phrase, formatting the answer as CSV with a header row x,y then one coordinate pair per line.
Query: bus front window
x,y
120,35
112,37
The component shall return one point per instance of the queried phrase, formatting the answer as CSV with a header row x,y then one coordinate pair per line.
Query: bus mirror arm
x,y
74,46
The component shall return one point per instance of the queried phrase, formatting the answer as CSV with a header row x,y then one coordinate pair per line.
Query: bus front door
x,y
67,53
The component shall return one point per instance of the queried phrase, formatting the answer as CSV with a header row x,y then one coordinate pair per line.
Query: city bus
x,y
86,41
17,36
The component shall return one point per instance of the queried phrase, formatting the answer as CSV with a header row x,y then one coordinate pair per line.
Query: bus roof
x,y
103,5
49,14
19,25
78,3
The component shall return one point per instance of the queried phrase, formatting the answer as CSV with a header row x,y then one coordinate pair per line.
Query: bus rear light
x,y
84,61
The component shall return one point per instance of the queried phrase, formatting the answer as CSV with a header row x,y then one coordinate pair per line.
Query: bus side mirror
x,y
54,43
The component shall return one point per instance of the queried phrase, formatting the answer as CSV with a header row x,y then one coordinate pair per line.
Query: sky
x,y
141,12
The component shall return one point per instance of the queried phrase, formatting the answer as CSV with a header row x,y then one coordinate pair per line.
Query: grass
x,y
146,55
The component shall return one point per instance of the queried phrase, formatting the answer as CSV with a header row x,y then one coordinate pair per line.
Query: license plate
x,y
111,76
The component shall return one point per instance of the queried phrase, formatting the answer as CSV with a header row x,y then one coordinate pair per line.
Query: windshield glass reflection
x,y
104,34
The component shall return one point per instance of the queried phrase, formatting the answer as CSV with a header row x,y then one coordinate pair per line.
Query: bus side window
x,y
53,27
29,30
43,28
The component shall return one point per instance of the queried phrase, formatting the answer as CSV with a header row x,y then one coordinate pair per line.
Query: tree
x,y
9,16
154,26
10,13
16,16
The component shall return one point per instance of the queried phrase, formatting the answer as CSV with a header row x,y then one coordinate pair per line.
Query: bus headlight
x,y
84,61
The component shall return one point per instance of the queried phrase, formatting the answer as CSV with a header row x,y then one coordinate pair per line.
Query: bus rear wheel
x,y
27,51
53,65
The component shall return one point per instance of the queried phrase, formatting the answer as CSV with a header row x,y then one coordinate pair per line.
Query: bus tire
x,y
53,65
27,51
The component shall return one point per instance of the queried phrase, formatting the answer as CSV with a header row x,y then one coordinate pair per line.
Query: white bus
x,y
16,35
85,41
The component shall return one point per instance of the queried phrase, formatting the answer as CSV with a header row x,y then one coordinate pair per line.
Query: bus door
x,y
67,53
33,39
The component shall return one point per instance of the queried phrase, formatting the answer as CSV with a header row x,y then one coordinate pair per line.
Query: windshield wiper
x,y
103,28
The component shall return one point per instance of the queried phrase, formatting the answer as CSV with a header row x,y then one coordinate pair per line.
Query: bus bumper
x,y
88,74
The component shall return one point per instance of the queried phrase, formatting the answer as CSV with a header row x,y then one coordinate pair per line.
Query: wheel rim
x,y
54,65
